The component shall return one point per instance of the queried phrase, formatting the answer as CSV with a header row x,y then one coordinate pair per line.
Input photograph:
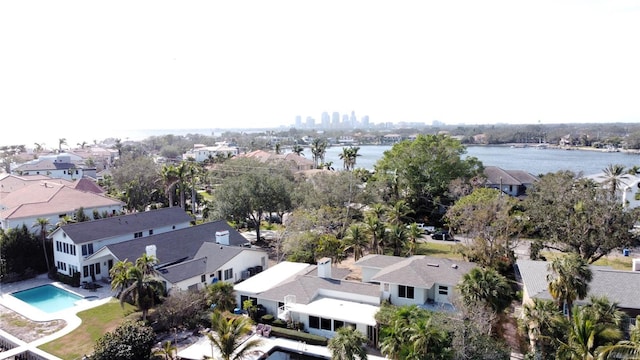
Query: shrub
x,y
279,323
267,319
310,339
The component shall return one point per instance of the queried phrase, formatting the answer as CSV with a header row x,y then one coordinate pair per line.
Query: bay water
x,y
531,159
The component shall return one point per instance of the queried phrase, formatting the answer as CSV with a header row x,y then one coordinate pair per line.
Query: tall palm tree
x,y
318,150
624,349
182,172
541,318
353,155
614,176
427,341
347,344
143,291
376,230
486,285
344,156
146,263
169,176
43,224
398,212
414,233
602,310
568,280
228,336
356,240
61,141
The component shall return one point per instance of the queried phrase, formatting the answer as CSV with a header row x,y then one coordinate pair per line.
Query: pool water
x,y
48,298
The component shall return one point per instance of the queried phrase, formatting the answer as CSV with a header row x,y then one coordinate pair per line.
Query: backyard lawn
x,y
95,323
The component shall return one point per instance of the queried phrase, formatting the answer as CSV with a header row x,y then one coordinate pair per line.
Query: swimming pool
x,y
48,298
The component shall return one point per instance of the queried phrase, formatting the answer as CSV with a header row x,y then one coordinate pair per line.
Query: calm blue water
x,y
535,161
48,298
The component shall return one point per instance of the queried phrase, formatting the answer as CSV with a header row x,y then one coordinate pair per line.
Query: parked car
x,y
442,235
425,228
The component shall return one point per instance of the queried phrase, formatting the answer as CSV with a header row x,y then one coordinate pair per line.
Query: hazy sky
x,y
68,67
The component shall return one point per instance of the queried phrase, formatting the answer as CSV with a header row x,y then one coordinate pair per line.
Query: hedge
x,y
310,339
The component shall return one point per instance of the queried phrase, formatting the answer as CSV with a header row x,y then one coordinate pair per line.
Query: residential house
x,y
628,191
316,296
201,153
23,200
619,286
56,166
189,256
511,182
417,280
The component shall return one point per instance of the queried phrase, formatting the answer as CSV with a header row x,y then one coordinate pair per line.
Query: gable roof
x,y
496,175
178,245
422,271
125,224
12,182
618,286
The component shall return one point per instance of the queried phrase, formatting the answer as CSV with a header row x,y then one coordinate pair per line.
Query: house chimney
x,y
324,268
151,251
222,237
635,265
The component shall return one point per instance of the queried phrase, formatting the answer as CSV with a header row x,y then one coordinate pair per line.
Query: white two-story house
x,y
73,244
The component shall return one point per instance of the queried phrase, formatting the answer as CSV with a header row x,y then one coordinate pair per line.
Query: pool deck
x,y
203,348
92,298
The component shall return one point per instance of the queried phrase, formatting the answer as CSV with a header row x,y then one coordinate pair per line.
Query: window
x,y
97,268
137,235
443,290
87,249
228,274
73,269
337,324
314,322
58,246
405,291
203,278
150,232
73,249
85,271
325,324
386,287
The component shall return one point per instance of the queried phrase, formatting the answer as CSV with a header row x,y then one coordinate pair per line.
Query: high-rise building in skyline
x,y
325,120
335,120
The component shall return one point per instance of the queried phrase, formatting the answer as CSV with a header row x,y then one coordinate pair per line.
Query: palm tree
x,y
427,341
61,141
297,149
146,263
318,149
413,234
624,349
119,276
344,156
181,171
353,154
568,280
614,176
169,176
143,291
347,344
542,318
221,295
375,227
585,336
602,310
356,240
397,239
43,224
393,339
228,336
398,212
166,350
486,285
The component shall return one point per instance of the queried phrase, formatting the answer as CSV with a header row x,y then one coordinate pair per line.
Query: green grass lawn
x,y
439,250
614,261
95,323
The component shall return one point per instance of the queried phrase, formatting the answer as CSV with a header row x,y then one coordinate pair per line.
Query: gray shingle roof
x,y
178,245
125,224
184,270
378,261
424,272
496,175
622,287
306,288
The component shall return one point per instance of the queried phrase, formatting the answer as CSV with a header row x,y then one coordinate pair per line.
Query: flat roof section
x,y
271,277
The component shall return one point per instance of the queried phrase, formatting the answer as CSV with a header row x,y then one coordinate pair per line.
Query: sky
x,y
86,70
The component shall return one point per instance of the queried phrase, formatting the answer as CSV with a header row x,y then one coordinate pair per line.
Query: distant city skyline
x,y
82,70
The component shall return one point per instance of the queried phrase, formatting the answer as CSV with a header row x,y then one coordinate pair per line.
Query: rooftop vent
x,y
434,265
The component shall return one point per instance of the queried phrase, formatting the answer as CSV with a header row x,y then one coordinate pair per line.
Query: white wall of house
x,y
75,257
368,273
55,218
419,295
247,258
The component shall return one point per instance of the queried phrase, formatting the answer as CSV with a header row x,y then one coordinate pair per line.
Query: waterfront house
x,y
201,152
628,191
56,166
511,182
